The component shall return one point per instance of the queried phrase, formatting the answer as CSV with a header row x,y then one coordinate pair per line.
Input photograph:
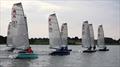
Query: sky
x,y
72,12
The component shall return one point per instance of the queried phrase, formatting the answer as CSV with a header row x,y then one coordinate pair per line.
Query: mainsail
x,y
64,34
86,35
100,41
10,35
54,32
20,33
91,35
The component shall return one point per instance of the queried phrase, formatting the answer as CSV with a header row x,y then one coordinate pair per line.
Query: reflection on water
x,y
57,61
75,59
14,63
20,63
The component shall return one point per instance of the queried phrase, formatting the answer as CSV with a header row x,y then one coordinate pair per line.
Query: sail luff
x,y
86,35
64,34
10,35
100,41
59,34
54,32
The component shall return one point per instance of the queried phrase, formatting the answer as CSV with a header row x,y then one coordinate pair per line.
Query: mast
x,y
100,40
85,35
64,34
54,32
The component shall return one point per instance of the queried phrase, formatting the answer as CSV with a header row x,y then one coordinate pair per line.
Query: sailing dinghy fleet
x,y
18,40
88,38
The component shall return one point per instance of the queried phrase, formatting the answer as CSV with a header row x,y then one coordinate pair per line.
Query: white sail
x,y
54,32
91,35
100,41
10,35
20,37
85,35
64,34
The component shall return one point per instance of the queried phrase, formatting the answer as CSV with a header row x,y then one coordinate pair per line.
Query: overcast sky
x,y
105,12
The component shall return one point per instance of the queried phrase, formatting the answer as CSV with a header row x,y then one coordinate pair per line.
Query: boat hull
x,y
103,50
27,56
60,53
89,51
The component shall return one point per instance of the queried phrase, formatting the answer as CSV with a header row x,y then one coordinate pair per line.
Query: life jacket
x,y
29,50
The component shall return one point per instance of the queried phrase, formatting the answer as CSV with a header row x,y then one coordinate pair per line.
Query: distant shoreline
x,y
68,44
71,41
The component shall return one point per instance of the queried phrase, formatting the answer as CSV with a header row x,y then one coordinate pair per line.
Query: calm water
x,y
75,59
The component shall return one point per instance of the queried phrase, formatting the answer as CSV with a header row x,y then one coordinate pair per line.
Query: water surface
x,y
75,59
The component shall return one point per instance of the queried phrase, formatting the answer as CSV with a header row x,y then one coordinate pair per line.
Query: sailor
x,y
89,48
12,49
94,47
105,48
62,49
66,48
29,50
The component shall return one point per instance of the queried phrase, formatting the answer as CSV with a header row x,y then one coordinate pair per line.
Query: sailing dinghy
x,y
64,35
100,41
56,37
17,37
87,37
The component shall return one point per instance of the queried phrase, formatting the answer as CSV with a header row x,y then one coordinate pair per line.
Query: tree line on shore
x,y
71,41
